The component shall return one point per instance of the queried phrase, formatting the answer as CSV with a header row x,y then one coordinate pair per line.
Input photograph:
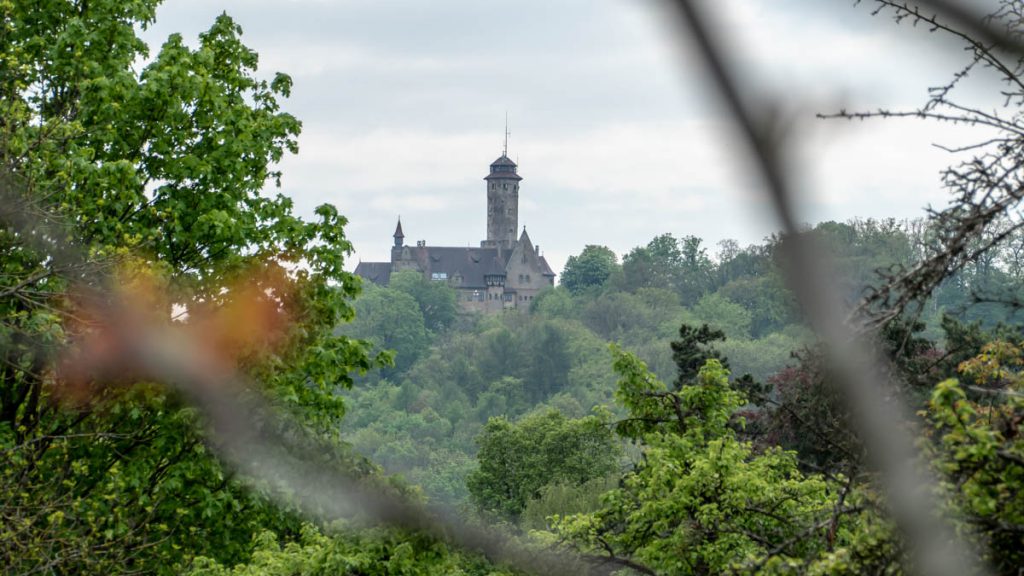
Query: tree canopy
x,y
517,460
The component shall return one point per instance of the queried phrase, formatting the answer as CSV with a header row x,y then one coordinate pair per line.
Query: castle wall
x,y
489,300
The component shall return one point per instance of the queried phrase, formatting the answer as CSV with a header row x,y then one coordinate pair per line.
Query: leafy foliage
x,y
435,299
348,551
980,449
590,270
517,460
157,174
701,501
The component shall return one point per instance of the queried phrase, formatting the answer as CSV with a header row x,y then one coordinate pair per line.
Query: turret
x,y
502,203
399,236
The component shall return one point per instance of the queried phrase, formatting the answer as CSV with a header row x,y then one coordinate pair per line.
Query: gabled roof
x,y
524,241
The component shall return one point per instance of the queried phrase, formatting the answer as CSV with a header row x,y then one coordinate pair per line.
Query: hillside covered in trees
x,y
423,416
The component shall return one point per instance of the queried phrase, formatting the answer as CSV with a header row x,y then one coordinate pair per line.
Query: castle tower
x,y
502,203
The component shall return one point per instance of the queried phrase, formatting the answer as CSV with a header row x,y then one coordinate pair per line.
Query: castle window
x,y
527,277
504,186
439,276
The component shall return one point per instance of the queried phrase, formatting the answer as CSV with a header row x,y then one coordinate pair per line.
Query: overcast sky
x,y
403,106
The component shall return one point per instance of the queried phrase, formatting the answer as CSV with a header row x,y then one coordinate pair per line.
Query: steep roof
x,y
524,239
542,263
376,272
398,230
473,264
545,268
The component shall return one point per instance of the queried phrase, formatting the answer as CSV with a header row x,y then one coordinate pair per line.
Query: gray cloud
x,y
403,105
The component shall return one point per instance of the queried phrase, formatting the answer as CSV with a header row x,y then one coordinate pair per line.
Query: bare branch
x,y
861,373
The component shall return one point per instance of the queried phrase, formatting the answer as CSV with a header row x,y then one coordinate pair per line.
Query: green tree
x,y
979,447
366,552
693,349
719,312
697,274
392,320
516,460
437,301
156,171
656,265
703,502
680,265
591,269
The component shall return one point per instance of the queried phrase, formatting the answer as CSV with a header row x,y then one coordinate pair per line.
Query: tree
x,y
157,174
516,460
392,320
591,269
437,301
979,445
366,552
656,265
719,312
680,265
697,274
703,502
770,305
984,188
693,349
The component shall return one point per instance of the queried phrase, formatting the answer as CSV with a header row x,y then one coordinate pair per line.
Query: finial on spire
x,y
504,150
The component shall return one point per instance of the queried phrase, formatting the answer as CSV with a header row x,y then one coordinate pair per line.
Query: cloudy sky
x,y
404,103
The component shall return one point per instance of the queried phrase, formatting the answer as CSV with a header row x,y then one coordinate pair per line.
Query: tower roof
x,y
503,168
503,160
398,230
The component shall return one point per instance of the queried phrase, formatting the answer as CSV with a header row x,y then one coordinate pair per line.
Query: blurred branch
x,y
245,431
862,374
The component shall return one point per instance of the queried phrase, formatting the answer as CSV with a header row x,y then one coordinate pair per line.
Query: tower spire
x,y
504,150
399,235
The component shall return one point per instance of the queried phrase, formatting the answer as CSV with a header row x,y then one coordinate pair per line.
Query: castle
x,y
504,273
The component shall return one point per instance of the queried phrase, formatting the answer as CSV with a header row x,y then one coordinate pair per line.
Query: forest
x,y
422,417
172,334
